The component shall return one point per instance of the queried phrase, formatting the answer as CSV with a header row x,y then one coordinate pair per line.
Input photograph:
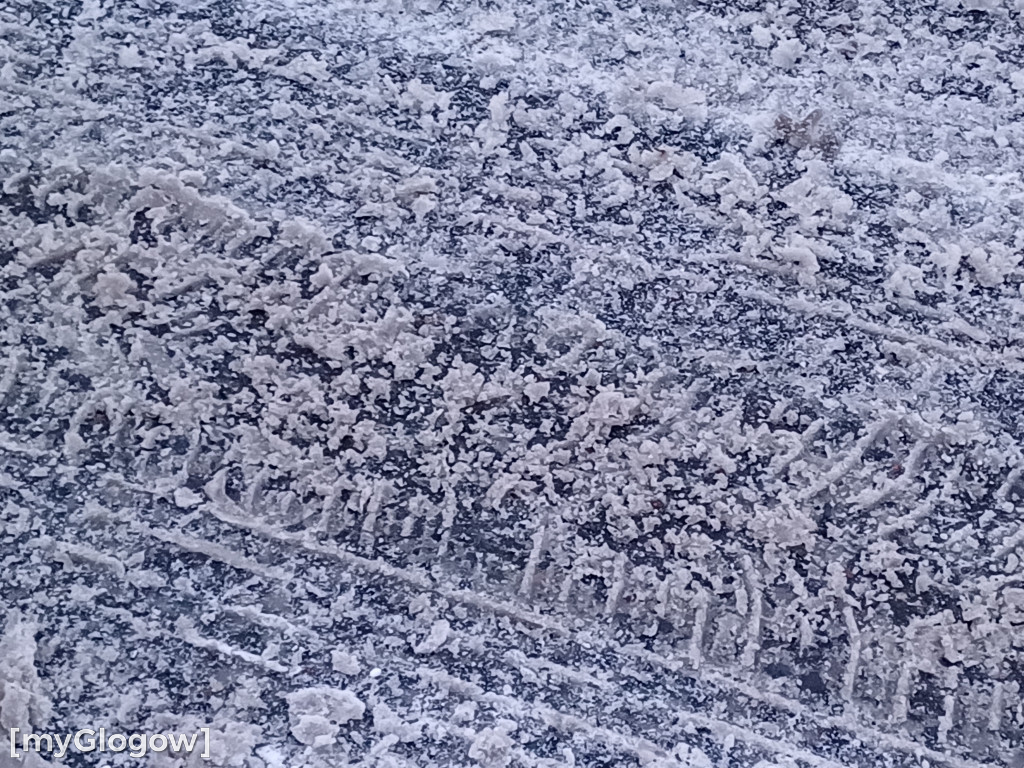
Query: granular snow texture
x,y
393,384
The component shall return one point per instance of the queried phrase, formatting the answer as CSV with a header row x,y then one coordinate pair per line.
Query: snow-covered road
x,y
389,384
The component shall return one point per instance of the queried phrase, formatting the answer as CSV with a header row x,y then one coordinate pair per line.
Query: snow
x,y
439,634
344,662
317,714
22,700
406,384
491,748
